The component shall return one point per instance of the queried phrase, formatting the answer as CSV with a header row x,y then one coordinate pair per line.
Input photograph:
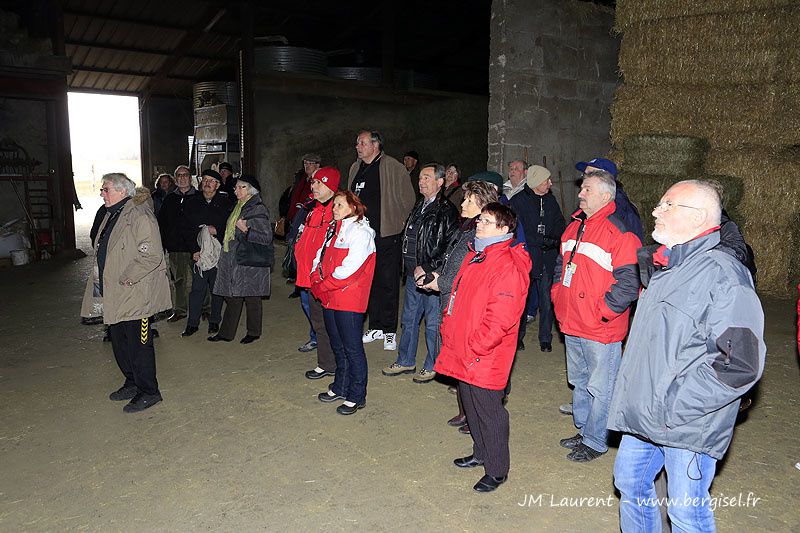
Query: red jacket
x,y
480,324
347,267
595,306
310,241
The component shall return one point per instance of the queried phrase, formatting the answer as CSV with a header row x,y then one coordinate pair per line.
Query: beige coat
x,y
134,252
397,194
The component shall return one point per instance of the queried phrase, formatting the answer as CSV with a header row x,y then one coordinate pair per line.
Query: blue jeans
x,y
344,330
592,369
689,475
304,296
416,305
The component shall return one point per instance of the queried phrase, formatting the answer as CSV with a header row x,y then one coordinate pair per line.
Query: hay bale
x,y
673,155
629,12
716,49
728,116
645,190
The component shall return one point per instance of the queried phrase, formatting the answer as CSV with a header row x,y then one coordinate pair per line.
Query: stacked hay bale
x,y
726,72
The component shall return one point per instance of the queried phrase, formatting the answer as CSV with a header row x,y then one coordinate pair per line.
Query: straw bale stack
x,y
721,48
664,154
728,116
630,12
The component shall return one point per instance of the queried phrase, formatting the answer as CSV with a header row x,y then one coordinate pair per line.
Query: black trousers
x,y
233,312
488,425
542,284
202,286
384,296
133,348
326,359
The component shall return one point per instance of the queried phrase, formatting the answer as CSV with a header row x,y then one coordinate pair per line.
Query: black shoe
x,y
189,331
161,316
213,327
520,347
546,346
205,315
154,332
324,397
106,336
464,430
315,374
307,347
217,338
295,294
347,410
142,401
177,316
93,321
247,339
488,483
571,442
584,454
467,462
123,393
457,421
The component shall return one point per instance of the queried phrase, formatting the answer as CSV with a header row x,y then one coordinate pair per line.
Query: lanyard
x,y
581,229
329,234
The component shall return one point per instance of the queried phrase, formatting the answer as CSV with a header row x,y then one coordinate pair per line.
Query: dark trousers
x,y
384,296
233,311
326,359
488,425
345,329
132,343
201,286
541,285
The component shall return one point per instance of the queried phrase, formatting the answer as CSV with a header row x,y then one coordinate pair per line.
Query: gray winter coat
x,y
238,280
695,346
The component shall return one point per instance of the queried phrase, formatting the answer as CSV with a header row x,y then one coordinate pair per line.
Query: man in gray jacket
x,y
695,346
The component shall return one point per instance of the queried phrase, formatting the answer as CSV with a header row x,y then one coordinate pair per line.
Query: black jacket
x,y
197,212
436,228
542,247
171,221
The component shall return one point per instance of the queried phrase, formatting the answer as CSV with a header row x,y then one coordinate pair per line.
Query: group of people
x,y
476,273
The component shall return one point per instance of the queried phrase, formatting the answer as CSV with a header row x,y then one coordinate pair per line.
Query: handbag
x,y
252,253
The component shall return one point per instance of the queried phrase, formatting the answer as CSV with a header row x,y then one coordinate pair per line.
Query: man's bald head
x,y
686,210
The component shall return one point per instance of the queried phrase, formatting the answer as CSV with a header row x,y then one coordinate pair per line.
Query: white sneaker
x,y
390,341
372,335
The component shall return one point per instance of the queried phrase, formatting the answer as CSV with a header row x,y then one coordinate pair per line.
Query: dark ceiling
x,y
162,47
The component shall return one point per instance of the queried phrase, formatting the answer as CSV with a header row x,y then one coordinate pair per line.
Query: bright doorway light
x,y
105,137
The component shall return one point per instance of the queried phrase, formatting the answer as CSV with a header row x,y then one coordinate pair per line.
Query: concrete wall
x,y
166,125
552,76
288,126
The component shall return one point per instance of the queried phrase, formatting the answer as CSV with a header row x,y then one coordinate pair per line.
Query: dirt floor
x,y
241,443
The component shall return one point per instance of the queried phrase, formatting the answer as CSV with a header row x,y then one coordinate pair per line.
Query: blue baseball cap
x,y
598,162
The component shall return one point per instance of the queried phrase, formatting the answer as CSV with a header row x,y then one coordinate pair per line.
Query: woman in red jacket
x,y
341,280
479,337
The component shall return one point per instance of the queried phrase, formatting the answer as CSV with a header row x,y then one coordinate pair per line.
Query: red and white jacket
x,y
481,322
605,281
311,240
342,277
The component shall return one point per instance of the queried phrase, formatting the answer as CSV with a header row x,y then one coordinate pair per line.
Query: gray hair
x,y
252,191
374,136
606,179
438,169
710,194
120,182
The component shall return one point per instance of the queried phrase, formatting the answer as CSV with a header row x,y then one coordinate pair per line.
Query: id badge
x,y
568,273
540,229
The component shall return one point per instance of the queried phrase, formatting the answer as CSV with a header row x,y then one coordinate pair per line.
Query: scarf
x,y
482,243
230,227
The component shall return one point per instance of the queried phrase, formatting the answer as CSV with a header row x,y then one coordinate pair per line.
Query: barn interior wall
x,y
288,126
169,122
552,76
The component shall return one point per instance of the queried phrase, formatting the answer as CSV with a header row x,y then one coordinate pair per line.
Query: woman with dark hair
x,y
242,284
479,337
164,185
341,278
477,194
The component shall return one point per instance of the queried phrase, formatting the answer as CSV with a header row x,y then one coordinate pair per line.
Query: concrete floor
x,y
241,443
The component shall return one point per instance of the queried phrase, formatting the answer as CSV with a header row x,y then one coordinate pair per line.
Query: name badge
x,y
568,273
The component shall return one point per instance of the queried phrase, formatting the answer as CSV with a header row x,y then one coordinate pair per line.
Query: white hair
x,y
120,182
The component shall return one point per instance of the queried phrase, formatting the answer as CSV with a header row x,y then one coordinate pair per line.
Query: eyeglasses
x,y
487,221
668,206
